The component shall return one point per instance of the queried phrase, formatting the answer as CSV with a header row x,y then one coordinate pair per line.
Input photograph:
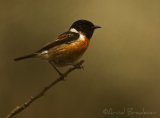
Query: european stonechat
x,y
68,47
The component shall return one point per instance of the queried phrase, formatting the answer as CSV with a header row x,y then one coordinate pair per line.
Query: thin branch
x,y
32,99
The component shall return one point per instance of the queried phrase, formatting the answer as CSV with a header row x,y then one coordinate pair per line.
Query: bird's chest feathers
x,y
69,53
72,51
79,46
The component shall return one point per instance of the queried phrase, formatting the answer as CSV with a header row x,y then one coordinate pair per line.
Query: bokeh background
x,y
122,63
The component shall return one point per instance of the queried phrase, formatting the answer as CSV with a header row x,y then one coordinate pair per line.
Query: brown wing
x,y
64,38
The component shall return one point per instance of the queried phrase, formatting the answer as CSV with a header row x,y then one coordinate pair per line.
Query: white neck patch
x,y
82,37
74,30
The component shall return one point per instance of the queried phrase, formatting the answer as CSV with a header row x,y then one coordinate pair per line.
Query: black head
x,y
84,26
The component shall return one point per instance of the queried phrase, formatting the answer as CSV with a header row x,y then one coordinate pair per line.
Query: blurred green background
x,y
122,63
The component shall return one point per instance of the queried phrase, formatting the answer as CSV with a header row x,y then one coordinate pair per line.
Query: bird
x,y
68,47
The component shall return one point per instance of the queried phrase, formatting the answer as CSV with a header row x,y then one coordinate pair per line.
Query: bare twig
x,y
32,99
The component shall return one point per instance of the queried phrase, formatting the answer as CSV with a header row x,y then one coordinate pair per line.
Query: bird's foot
x,y
62,76
79,65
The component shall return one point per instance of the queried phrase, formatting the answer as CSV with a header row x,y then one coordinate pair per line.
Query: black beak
x,y
96,27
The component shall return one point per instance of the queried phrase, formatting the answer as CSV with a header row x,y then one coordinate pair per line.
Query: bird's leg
x,y
78,65
53,65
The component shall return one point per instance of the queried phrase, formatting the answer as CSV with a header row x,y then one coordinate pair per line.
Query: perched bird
x,y
68,47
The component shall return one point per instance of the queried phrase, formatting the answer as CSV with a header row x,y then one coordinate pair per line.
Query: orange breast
x,y
68,53
79,46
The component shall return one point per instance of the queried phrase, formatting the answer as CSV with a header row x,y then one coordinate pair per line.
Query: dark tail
x,y
25,57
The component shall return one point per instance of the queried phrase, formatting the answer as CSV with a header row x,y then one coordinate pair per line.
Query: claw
x,y
62,76
79,65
